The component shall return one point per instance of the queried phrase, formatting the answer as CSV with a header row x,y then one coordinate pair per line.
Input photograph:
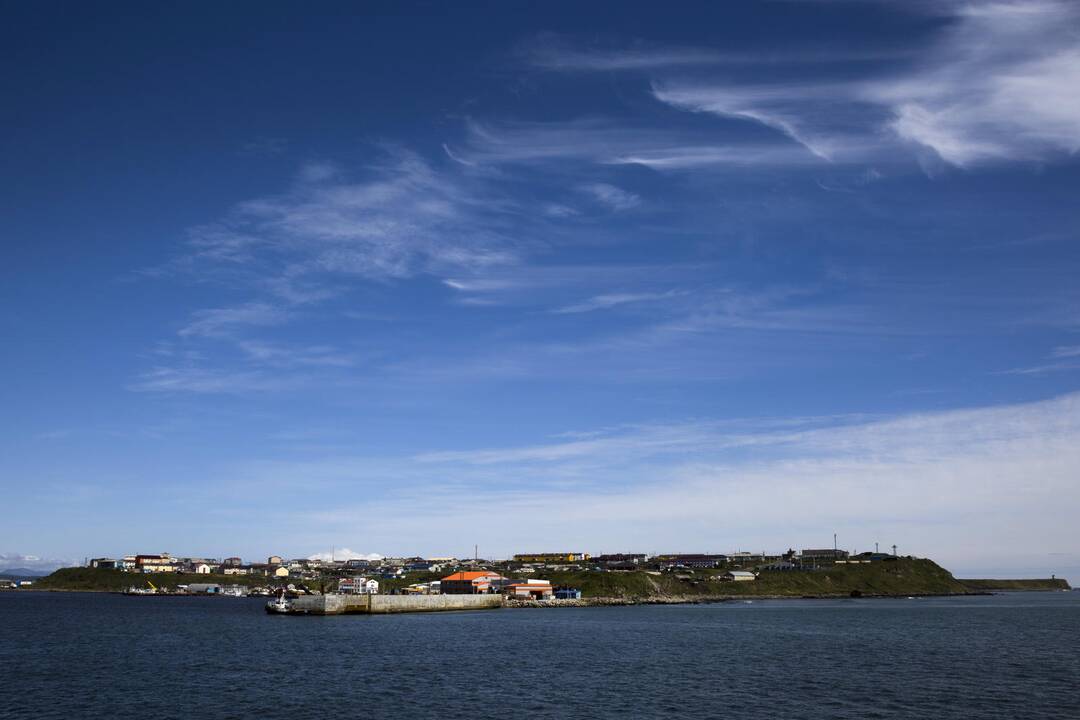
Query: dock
x,y
333,604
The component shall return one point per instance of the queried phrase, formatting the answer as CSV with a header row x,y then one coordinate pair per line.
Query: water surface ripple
x,y
70,655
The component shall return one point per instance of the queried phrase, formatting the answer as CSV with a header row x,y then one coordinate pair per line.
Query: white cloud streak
x,y
220,322
604,302
611,196
997,85
197,380
605,142
556,53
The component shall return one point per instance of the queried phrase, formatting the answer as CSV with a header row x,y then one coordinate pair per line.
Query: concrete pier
x,y
379,604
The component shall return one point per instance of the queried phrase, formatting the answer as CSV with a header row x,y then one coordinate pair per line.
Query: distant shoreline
x,y
622,602
897,578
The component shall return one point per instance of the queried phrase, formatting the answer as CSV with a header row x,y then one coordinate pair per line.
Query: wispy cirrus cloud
x,y
604,302
401,218
807,115
611,196
997,84
607,142
1000,85
212,381
327,234
219,322
281,355
573,289
1066,351
1061,358
558,53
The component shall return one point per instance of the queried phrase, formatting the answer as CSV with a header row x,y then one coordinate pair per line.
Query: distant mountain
x,y
22,573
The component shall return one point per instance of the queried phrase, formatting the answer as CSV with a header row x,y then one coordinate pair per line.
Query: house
x,y
470,582
692,560
104,563
566,593
233,562
358,586
738,576
203,569
825,556
155,563
281,572
553,557
621,559
274,560
530,590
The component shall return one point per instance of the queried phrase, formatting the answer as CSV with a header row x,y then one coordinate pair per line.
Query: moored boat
x,y
279,605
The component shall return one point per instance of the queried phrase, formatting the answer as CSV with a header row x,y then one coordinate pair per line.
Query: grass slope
x,y
901,577
982,585
84,578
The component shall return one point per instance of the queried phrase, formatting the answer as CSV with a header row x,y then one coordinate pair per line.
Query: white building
x,y
358,586
738,576
531,589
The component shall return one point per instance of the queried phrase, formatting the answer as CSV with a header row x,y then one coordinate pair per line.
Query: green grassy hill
x,y
97,579
900,577
1033,584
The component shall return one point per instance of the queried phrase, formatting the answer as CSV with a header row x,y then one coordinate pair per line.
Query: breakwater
x,y
383,604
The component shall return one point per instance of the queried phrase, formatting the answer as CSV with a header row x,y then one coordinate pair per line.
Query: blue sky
x,y
406,278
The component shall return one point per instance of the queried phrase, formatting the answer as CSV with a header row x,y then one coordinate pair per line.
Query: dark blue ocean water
x,y
94,656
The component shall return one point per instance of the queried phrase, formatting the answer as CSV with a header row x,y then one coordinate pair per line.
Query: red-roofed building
x,y
466,582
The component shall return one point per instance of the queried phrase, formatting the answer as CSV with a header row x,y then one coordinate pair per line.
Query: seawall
x,y
382,604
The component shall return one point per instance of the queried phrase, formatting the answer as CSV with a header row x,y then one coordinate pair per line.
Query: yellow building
x,y
154,563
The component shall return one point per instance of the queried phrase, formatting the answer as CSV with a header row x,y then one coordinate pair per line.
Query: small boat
x,y
279,606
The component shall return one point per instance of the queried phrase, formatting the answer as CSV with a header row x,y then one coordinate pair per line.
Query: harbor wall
x,y
381,604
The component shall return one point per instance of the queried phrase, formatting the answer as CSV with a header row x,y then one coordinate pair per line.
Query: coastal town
x,y
525,576
328,585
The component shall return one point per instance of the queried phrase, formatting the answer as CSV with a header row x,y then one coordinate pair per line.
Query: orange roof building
x,y
469,582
